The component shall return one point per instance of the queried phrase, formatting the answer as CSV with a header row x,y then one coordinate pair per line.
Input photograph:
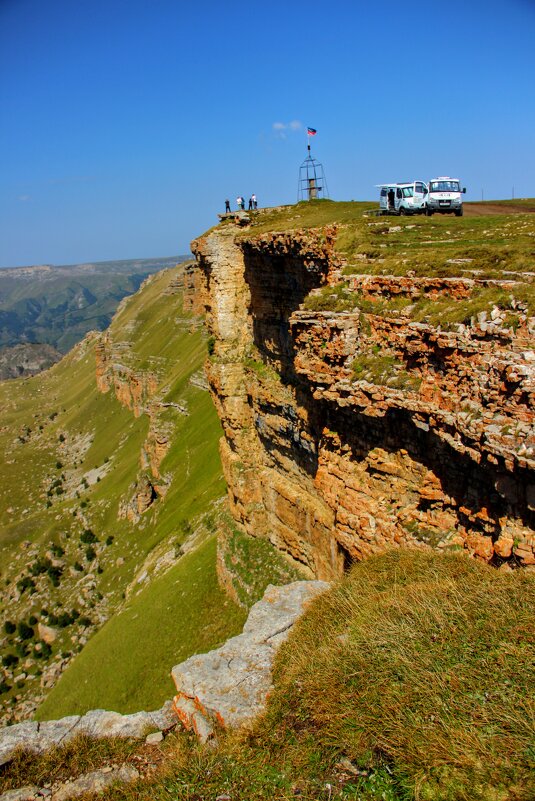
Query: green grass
x,y
416,671
254,563
41,421
383,368
396,245
126,665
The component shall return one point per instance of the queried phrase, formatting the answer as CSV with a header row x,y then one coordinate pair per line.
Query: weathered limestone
x,y
95,782
229,686
26,793
330,466
39,737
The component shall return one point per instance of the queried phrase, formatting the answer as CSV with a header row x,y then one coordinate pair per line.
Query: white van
x,y
445,196
405,198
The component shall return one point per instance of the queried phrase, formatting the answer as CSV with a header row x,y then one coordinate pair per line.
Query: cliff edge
x,y
375,381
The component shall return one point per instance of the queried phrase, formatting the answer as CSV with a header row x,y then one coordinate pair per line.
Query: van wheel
x,y
458,212
402,211
428,212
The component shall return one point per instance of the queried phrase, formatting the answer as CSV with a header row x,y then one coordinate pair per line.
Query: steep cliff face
x,y
348,432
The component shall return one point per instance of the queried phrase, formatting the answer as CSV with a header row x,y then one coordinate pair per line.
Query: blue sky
x,y
124,124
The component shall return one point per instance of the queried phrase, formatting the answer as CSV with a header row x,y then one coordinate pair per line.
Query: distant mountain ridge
x,y
57,305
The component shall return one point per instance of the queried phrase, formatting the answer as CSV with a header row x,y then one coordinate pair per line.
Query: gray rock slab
x,y
95,782
231,684
164,718
25,793
23,734
55,732
100,723
39,737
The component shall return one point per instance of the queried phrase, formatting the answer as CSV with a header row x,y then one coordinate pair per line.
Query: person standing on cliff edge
x,y
227,206
255,202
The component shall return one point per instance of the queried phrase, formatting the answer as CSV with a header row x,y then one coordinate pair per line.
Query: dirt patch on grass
x,y
498,207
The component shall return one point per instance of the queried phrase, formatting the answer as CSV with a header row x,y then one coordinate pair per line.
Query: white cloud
x,y
282,128
24,198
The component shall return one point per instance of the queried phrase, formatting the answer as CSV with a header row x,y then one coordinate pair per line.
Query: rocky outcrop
x,y
229,686
348,432
94,781
132,388
137,390
40,737
26,359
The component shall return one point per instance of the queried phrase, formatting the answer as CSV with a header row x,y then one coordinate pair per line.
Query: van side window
x,y
419,188
398,192
383,192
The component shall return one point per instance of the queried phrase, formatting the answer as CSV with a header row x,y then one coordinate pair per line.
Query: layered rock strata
x,y
334,459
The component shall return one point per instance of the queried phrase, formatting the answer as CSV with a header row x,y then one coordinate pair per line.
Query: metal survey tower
x,y
312,183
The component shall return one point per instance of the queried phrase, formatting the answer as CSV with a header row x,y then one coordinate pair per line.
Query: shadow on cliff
x,y
279,283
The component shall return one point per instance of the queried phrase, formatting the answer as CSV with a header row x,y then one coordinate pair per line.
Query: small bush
x,y
90,554
88,537
65,619
54,574
26,583
41,565
24,631
9,627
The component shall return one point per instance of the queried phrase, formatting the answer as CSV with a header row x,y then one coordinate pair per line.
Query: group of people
x,y
240,202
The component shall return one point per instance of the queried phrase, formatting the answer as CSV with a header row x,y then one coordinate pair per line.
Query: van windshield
x,y
444,186
408,191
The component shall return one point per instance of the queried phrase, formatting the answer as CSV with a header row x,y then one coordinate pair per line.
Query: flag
x,y
311,132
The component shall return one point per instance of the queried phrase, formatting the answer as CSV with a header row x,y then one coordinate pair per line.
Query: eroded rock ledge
x,y
332,465
226,687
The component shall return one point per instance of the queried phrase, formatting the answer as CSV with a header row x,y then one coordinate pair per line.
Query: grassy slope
x,y
411,680
158,336
126,665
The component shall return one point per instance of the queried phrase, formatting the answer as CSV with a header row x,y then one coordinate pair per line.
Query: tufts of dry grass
x,y
412,680
80,755
423,662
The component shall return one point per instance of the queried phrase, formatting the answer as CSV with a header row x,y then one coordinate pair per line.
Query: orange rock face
x,y
137,390
331,466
